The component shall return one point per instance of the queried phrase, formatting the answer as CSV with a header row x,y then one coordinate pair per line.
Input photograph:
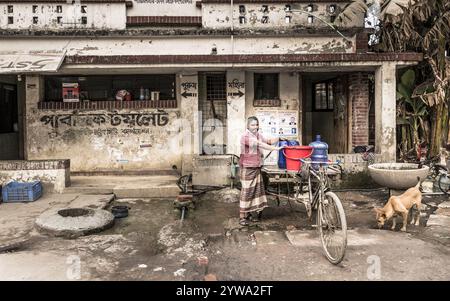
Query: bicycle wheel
x,y
443,183
332,226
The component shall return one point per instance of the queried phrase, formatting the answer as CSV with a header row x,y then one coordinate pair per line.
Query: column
x,y
385,109
235,110
34,92
188,93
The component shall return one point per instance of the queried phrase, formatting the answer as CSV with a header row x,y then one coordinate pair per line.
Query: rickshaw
x,y
310,186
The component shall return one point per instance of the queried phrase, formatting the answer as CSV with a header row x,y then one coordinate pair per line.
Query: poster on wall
x,y
277,123
71,92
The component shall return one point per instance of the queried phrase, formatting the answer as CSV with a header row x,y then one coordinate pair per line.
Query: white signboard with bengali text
x,y
28,63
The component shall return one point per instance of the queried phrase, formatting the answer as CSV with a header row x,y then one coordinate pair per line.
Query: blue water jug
x,y
320,151
281,157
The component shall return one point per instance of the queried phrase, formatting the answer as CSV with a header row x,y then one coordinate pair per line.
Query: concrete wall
x,y
182,45
56,179
217,15
101,139
189,123
164,8
54,174
99,15
288,90
235,110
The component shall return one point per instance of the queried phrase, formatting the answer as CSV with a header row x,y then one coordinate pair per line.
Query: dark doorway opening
x,y
9,122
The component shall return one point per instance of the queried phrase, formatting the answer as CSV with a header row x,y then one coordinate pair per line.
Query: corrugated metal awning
x,y
18,63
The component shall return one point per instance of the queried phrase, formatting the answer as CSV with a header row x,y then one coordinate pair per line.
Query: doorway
x,y
9,121
326,110
213,109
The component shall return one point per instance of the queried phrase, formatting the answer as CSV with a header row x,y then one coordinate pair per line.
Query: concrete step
x,y
88,190
153,172
161,186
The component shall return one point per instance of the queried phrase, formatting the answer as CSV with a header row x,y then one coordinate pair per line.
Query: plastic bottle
x,y
320,151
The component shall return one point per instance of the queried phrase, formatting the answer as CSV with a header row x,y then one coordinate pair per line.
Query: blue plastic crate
x,y
22,192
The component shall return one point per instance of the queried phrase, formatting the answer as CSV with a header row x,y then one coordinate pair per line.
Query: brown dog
x,y
400,205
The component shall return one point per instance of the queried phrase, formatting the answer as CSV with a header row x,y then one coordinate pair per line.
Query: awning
x,y
30,63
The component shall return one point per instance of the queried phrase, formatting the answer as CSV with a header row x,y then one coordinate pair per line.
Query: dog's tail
x,y
418,183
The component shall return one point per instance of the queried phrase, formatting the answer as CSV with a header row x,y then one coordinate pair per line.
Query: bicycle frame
x,y
318,177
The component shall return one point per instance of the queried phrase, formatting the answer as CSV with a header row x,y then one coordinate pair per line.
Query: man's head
x,y
252,124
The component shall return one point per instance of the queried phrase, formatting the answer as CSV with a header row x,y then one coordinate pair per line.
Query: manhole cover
x,y
74,222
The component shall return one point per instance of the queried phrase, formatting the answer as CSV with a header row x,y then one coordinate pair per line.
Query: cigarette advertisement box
x,y
71,92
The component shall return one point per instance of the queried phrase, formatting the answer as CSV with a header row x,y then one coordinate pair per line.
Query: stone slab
x,y
445,205
439,220
92,201
270,237
364,237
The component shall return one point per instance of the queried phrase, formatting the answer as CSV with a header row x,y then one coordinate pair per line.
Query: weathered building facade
x,y
193,71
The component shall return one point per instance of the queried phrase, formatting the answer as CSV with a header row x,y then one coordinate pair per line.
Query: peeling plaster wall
x,y
289,95
56,179
104,147
183,45
99,16
217,15
164,8
93,145
236,110
189,122
385,108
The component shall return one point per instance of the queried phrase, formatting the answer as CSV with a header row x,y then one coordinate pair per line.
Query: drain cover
x,y
74,222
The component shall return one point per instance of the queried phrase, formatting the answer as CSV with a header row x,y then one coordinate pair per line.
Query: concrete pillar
x,y
189,130
235,110
34,92
385,108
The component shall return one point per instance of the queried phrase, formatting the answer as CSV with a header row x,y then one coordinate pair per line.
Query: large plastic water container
x,y
281,156
320,152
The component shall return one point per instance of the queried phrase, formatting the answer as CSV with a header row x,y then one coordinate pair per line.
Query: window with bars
x,y
266,86
216,87
324,95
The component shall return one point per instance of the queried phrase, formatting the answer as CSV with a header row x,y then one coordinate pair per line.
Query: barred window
x,y
323,95
266,86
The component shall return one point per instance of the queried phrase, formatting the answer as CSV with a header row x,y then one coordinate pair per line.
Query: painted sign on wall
x,y
159,118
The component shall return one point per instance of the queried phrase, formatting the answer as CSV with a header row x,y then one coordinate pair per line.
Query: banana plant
x,y
412,111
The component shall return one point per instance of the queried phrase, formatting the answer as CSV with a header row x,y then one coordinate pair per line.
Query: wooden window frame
x,y
327,83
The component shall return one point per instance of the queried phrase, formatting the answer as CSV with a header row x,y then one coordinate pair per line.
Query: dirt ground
x,y
152,243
